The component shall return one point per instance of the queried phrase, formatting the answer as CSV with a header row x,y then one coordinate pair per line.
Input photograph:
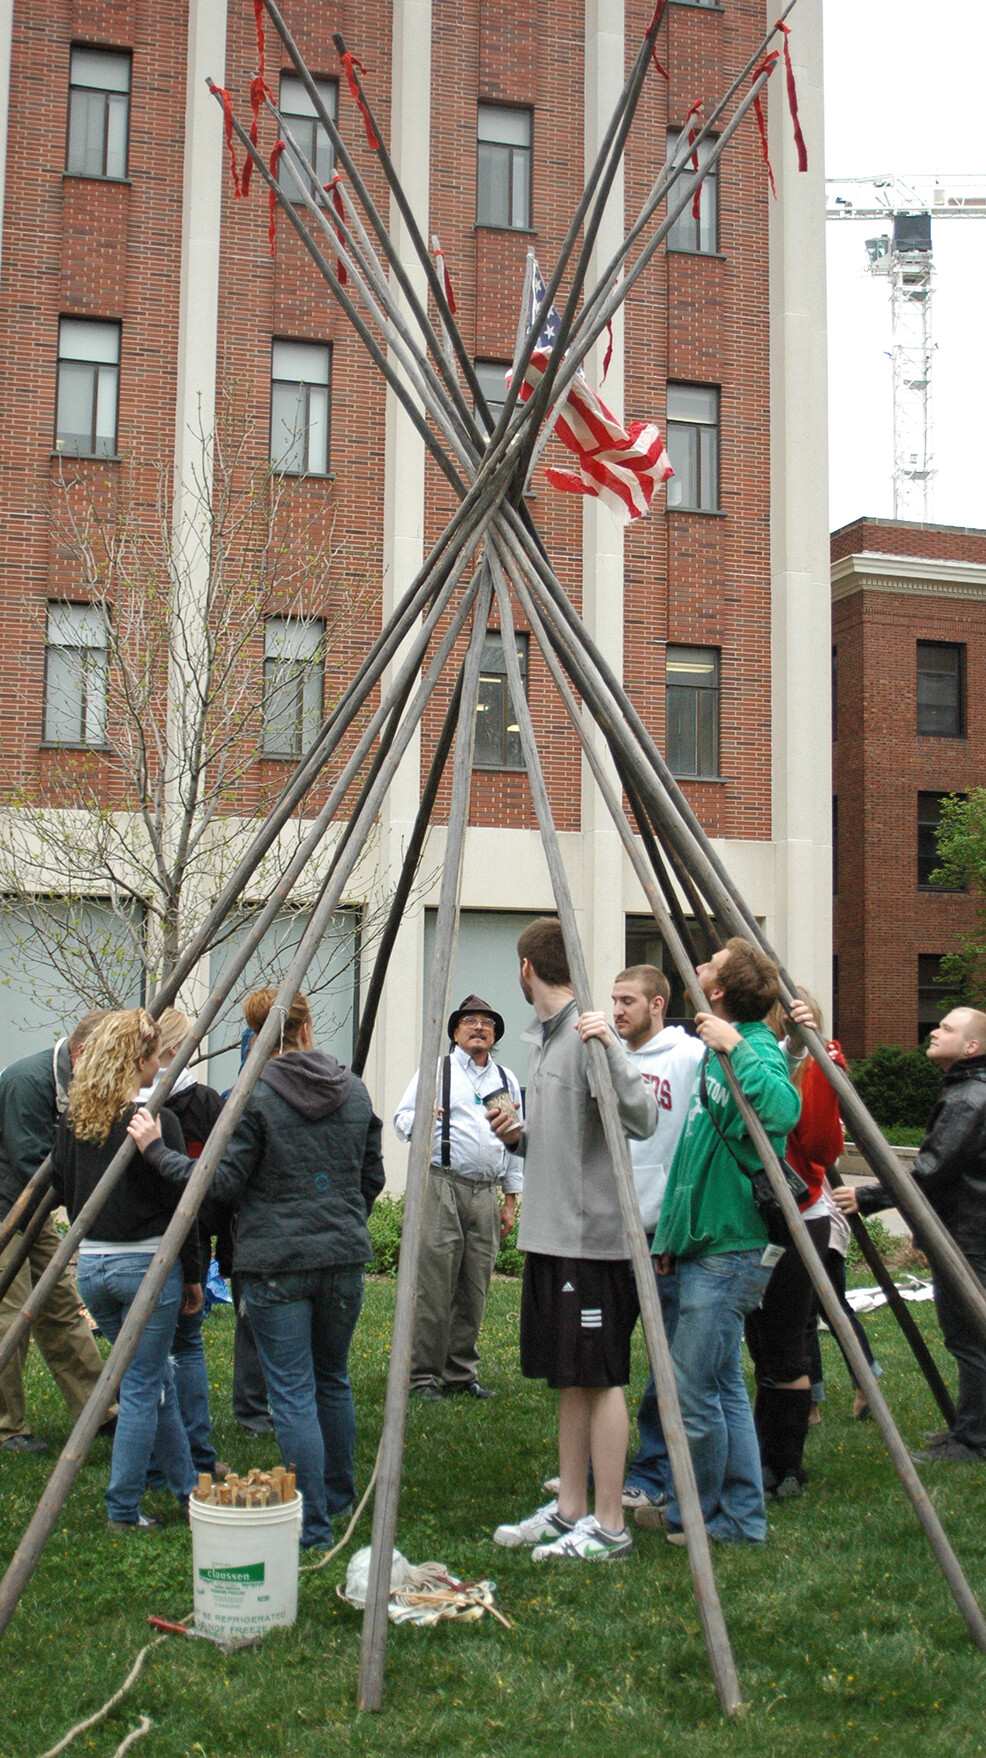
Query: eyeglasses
x,y
476,1019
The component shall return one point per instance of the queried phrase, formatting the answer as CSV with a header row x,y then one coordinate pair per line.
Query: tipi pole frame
x,y
375,1618
10,1270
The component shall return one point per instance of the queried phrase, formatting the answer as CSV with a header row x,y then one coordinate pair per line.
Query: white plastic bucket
x,y
244,1566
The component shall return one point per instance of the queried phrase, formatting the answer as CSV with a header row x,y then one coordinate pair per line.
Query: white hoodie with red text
x,y
669,1064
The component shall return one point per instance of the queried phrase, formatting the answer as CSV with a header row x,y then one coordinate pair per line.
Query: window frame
x,y
86,669
926,991
511,150
959,649
291,117
709,196
110,367
926,822
307,716
488,674
306,386
108,93
676,426
480,363
699,691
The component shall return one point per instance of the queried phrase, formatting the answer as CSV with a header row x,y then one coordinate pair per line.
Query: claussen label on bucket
x,y
247,1572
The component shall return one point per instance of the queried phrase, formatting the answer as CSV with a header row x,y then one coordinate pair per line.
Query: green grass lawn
x,y
845,1636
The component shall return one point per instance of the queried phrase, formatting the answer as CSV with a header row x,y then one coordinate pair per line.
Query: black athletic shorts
x,y
576,1319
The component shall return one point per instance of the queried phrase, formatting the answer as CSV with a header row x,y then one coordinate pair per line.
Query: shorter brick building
x,y
908,725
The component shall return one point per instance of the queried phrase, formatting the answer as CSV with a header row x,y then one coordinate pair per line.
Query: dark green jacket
x,y
708,1204
30,1101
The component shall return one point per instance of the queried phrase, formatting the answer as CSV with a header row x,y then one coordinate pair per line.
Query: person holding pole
x,y
463,1222
711,1238
33,1094
950,1168
579,1299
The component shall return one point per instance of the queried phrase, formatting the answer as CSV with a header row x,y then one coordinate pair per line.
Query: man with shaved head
x,y
951,1170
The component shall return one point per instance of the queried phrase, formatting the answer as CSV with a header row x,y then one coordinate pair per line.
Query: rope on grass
x,y
144,1727
313,1568
130,1679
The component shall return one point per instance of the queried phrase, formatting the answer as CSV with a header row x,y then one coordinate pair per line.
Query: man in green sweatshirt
x,y
711,1238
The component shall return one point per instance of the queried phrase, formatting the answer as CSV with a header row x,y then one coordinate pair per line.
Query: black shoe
x,y
472,1390
428,1393
24,1443
254,1430
933,1437
948,1452
107,1430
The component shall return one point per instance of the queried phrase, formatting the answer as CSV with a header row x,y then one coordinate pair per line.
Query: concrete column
x,y
396,1039
602,532
801,613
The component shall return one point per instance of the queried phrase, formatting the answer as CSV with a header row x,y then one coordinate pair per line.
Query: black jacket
x,y
302,1170
950,1167
140,1206
197,1108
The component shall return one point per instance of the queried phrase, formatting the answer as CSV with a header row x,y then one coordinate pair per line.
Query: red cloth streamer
x,y
439,255
227,103
332,188
258,91
693,134
349,61
655,21
767,65
275,160
609,350
258,13
792,98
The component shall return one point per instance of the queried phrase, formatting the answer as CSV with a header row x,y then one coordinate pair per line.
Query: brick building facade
x,y
909,681
127,267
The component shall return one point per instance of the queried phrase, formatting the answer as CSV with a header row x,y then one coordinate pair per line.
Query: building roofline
x,y
874,571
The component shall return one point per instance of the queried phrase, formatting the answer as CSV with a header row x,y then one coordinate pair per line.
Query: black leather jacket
x,y
951,1163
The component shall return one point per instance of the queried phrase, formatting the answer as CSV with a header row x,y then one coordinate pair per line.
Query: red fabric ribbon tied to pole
x,y
767,65
349,62
609,350
655,21
258,91
792,98
258,14
275,160
332,189
227,104
439,255
693,134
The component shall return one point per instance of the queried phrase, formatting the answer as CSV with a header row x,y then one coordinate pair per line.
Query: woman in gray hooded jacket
x,y
302,1171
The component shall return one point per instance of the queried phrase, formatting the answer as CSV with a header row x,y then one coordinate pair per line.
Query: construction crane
x,y
904,256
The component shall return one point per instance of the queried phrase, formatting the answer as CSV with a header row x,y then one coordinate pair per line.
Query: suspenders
x,y
446,1160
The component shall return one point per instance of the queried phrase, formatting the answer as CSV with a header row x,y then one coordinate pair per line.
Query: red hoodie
x,y
818,1139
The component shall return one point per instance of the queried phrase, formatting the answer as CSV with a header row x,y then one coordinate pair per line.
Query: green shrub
x,y
386,1221
897,1086
887,1243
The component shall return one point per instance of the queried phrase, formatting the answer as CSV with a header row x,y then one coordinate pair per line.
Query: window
x,y
941,689
687,233
76,664
503,175
929,818
692,678
298,111
492,376
497,734
299,408
292,703
98,113
693,447
933,993
835,692
88,388
835,845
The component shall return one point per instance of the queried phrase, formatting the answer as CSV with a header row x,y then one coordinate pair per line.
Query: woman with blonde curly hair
x,y
118,1059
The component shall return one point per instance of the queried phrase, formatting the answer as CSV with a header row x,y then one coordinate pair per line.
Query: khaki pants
x,y
460,1237
62,1335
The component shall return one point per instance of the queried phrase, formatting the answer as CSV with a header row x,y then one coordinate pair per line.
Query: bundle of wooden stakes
x,y
259,1489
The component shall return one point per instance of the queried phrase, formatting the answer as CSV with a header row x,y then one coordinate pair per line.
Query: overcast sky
x,y
903,94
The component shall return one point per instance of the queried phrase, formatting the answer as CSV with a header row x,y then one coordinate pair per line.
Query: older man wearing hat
x,y
463,1222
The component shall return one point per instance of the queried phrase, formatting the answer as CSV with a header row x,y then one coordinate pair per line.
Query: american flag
x,y
620,465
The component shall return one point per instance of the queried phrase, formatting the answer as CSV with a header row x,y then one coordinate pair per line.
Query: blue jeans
x,y
303,1322
714,1295
191,1377
149,1418
650,1467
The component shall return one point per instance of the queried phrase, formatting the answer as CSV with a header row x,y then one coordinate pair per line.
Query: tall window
x,y
835,692
689,233
98,113
88,387
693,447
298,111
835,845
293,670
492,376
941,688
76,664
503,174
929,818
692,744
299,408
497,733
933,993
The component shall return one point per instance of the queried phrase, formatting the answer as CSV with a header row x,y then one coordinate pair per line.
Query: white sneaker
x,y
635,1497
552,1485
587,1542
544,1523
